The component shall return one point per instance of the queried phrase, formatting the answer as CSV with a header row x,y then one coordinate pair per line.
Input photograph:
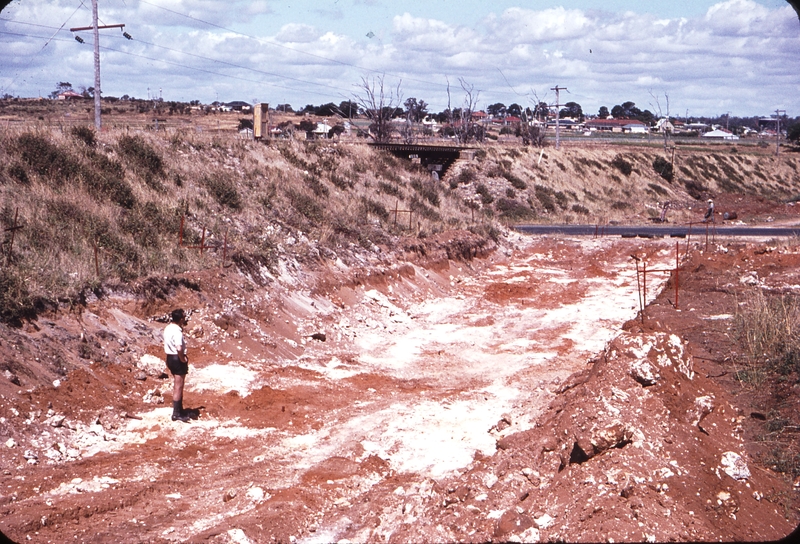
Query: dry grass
x,y
124,191
766,327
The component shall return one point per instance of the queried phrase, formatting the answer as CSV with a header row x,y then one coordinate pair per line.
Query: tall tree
x,y
573,110
379,104
496,109
348,108
603,113
416,110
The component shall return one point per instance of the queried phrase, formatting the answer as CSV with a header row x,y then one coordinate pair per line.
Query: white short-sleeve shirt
x,y
173,340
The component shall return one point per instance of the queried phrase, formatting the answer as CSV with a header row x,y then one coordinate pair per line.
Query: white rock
x,y
489,480
255,494
237,536
531,534
152,365
734,466
544,521
644,373
10,443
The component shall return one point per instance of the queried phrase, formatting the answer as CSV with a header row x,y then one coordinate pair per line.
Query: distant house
x,y
616,125
507,120
564,123
238,105
69,95
664,124
479,115
720,134
697,127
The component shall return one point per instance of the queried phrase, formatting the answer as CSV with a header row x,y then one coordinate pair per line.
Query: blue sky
x,y
709,57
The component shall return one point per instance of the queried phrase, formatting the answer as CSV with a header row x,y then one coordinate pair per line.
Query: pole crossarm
x,y
79,28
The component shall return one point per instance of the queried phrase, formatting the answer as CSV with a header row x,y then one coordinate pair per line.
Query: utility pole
x,y
96,31
778,130
558,113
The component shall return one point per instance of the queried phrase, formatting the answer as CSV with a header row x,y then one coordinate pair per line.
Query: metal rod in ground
x,y
180,233
396,204
225,248
13,229
96,262
677,266
639,290
644,287
203,241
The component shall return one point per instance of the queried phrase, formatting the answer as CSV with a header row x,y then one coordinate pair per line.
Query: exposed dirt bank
x,y
510,397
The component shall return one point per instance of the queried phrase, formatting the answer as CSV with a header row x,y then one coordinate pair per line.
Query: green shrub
x,y
223,190
622,165
513,210
467,175
306,205
578,208
373,207
695,188
428,190
138,151
663,168
486,196
84,134
319,188
47,159
390,189
17,171
545,196
515,182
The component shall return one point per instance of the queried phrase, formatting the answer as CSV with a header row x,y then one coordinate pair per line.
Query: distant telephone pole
x,y
558,113
778,130
96,30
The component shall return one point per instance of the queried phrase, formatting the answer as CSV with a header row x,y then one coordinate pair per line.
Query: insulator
x,y
127,35
78,39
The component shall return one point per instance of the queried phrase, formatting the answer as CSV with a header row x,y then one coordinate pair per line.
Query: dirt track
x,y
439,407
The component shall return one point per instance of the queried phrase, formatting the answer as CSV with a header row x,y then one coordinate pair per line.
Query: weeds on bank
x,y
766,327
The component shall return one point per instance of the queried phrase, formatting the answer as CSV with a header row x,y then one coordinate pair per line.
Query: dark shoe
x,y
180,417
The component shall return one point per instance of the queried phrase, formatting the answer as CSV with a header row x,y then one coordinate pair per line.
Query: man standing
x,y
177,361
709,217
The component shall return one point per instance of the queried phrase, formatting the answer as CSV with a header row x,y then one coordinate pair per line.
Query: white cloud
x,y
298,33
740,53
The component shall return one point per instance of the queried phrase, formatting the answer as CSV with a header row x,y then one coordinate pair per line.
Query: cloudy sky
x,y
709,57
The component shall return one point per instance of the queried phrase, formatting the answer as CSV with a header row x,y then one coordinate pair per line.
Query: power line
x,y
275,44
45,43
171,63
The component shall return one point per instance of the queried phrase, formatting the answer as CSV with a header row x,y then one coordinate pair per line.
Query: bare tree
x,y
461,120
379,105
663,119
531,130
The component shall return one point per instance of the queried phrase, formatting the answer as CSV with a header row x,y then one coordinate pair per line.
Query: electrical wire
x,y
2,91
275,44
170,63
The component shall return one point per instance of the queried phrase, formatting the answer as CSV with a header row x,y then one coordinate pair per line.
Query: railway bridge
x,y
436,158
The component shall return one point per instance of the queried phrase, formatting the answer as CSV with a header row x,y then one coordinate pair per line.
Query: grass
x,y
125,191
766,328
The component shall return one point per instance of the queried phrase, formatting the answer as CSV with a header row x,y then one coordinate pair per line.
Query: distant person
x,y
709,216
177,361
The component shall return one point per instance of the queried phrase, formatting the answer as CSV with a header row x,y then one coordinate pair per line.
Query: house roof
x,y
70,94
613,122
720,133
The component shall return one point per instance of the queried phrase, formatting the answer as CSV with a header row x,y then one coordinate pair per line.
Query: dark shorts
x,y
175,366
